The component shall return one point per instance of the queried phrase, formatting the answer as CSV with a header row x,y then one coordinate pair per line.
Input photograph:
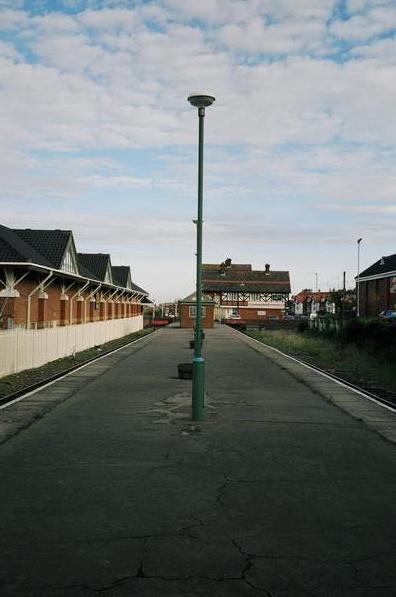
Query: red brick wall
x,y
188,322
250,314
56,310
375,296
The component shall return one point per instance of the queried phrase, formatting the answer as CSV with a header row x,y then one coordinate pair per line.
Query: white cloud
x,y
54,23
12,19
296,137
382,51
109,19
9,52
365,5
240,11
364,26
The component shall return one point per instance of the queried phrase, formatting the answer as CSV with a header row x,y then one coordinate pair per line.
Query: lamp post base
x,y
198,389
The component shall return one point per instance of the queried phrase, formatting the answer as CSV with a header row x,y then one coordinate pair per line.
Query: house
x,y
46,282
307,302
187,311
377,287
239,291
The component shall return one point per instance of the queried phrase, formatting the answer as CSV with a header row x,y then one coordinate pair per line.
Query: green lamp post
x,y
201,102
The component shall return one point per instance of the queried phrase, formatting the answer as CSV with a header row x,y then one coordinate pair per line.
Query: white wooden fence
x,y
25,349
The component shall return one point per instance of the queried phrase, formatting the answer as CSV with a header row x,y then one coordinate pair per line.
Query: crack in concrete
x,y
221,490
141,574
249,557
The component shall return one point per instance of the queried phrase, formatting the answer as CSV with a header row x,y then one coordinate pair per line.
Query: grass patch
x,y
350,362
18,381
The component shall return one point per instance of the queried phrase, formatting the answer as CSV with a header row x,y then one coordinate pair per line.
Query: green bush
x,y
374,335
303,326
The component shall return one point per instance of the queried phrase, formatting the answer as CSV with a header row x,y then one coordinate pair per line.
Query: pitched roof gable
x,y
51,244
382,266
122,275
96,265
14,247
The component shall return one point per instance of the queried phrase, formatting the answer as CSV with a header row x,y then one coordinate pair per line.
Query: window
x,y
191,312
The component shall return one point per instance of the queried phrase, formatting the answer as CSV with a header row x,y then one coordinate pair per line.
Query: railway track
x,y
27,390
384,401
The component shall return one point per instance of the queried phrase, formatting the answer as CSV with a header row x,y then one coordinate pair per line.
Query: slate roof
x,y
241,278
137,288
237,267
50,244
121,275
14,248
95,264
48,247
382,266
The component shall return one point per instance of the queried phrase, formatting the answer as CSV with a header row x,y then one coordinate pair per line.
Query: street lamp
x,y
357,281
201,102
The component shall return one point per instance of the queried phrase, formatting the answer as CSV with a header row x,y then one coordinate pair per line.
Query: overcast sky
x,y
97,135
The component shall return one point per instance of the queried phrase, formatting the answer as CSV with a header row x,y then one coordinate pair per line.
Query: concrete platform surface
x,y
108,489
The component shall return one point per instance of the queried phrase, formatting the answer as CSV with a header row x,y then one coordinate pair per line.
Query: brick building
x,y
45,283
187,311
377,287
239,292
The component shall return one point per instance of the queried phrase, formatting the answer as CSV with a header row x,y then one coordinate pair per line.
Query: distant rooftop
x,y
233,277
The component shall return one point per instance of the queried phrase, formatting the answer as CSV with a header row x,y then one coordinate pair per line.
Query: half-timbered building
x,y
240,292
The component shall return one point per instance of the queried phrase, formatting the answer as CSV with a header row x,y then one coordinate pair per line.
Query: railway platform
x,y
286,489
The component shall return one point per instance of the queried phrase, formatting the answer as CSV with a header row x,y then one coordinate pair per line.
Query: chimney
x,y
267,269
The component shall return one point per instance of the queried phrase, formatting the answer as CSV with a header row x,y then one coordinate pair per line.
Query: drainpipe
x,y
104,300
109,298
29,298
118,297
73,297
89,298
63,292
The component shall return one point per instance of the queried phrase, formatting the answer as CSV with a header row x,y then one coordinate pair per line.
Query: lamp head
x,y
200,100
359,241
